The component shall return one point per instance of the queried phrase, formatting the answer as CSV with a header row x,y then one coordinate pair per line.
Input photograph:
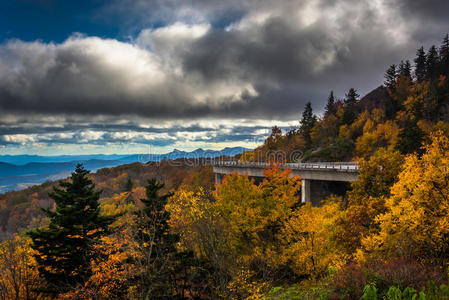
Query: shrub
x,y
350,281
431,291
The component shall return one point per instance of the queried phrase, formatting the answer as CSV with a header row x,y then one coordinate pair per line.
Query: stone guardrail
x,y
336,166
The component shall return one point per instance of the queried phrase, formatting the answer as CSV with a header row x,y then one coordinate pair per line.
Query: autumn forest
x,y
166,230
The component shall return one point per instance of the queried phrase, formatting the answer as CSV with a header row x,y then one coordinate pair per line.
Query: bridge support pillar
x,y
218,178
305,191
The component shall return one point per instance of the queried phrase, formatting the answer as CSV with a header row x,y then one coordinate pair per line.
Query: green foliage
x,y
444,54
65,247
350,280
369,292
405,69
410,138
351,99
391,76
420,65
299,293
432,64
330,106
431,291
307,123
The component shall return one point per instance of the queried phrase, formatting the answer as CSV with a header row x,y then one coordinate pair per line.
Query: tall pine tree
x,y
432,64
405,69
65,246
391,76
444,55
165,272
330,106
420,65
308,120
351,97
349,112
410,138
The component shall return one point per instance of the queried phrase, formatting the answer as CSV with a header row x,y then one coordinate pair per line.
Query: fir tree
x,y
166,272
330,106
349,112
351,97
391,76
420,65
405,69
432,64
444,56
410,138
308,120
65,246
129,185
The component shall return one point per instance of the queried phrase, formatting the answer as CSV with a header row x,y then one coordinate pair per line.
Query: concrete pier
x,y
305,191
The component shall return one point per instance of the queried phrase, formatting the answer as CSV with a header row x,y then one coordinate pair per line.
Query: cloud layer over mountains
x,y
196,60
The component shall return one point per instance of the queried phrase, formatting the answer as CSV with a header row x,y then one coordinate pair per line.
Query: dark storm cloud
x,y
227,59
432,10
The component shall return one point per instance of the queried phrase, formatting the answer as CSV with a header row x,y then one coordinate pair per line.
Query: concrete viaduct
x,y
319,180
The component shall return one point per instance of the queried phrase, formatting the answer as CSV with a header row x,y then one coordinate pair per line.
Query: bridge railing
x,y
339,166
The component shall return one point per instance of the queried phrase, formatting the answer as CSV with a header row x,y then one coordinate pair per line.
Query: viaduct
x,y
319,180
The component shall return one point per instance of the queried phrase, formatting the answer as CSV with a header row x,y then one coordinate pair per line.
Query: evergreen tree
x,y
432,64
129,185
307,122
65,246
444,56
410,138
166,272
349,112
391,76
405,69
420,65
351,97
330,106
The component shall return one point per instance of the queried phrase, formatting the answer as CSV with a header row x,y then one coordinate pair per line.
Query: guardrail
x,y
337,166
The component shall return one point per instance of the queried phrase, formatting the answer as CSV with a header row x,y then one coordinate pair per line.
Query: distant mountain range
x,y
21,171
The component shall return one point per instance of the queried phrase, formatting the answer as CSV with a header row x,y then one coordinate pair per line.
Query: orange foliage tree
x,y
416,223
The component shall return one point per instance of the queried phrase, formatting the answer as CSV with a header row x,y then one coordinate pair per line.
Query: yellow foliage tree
x,y
309,244
18,270
416,223
192,215
375,136
237,230
253,215
252,212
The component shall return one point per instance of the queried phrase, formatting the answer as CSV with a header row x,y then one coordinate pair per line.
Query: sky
x,y
149,76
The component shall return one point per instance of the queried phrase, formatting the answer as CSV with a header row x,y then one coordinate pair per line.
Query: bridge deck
x,y
327,171
331,166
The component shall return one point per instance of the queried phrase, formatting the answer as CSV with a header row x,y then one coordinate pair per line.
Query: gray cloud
x,y
27,132
209,59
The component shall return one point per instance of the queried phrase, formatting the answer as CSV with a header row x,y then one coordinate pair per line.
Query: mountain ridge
x,y
23,159
20,171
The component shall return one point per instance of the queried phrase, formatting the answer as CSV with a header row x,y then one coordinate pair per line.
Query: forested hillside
x,y
389,239
20,210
